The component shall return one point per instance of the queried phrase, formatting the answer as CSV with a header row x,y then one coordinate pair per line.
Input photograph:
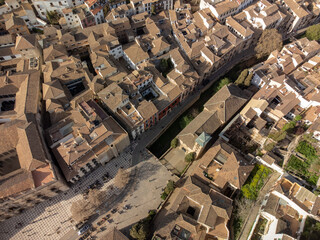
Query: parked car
x,y
84,229
126,207
101,221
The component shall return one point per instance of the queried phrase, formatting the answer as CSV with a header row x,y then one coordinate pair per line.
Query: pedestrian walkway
x,y
51,219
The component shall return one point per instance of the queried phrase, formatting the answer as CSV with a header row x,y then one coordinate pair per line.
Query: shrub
x,y
222,82
185,121
140,230
307,150
313,32
190,157
174,143
164,196
168,189
170,186
269,146
269,41
247,81
242,77
255,182
278,136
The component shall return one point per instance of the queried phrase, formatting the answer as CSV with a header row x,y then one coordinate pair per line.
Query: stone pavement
x,y
51,219
151,178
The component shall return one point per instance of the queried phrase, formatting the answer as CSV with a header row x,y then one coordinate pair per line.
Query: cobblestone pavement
x,y
51,219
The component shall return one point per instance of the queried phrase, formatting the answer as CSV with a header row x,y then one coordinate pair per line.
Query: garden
x,y
277,136
255,181
259,229
305,168
311,229
249,193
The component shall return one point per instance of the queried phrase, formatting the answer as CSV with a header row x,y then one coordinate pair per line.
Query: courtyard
x,y
174,160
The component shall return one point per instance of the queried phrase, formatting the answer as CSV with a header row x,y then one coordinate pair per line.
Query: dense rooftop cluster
x,y
75,91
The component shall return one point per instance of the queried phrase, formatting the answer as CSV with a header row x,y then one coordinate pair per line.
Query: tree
x,y
174,143
153,9
106,10
95,197
81,210
164,64
170,187
140,230
313,32
53,17
269,41
222,82
247,81
190,157
240,80
122,178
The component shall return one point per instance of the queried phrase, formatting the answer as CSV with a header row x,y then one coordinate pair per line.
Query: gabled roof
x,y
135,53
14,22
232,167
114,234
52,89
30,148
227,101
54,52
217,111
26,42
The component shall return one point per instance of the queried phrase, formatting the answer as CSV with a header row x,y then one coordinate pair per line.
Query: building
x,y
196,211
114,234
86,139
223,168
28,46
28,176
136,113
16,26
134,55
44,6
218,110
223,9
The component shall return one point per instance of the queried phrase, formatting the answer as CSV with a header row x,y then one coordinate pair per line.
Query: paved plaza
x,y
51,219
151,179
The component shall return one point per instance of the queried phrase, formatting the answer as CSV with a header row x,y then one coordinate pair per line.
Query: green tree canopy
x,y
247,81
139,231
313,32
240,80
269,41
222,82
53,17
190,157
174,143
